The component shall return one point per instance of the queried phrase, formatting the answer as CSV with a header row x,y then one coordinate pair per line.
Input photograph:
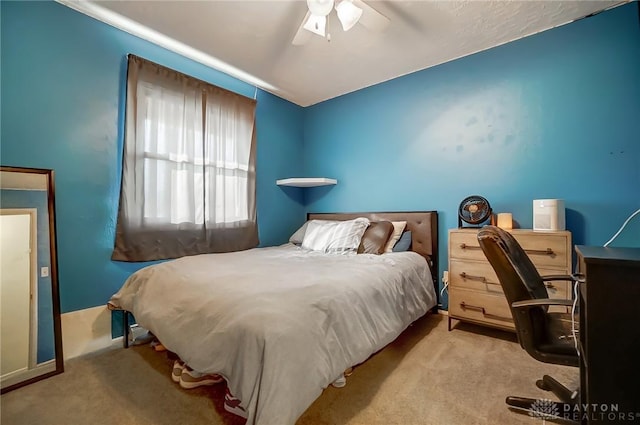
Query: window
x,y
188,167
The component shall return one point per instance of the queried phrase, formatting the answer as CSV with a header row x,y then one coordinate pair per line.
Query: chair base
x,y
548,383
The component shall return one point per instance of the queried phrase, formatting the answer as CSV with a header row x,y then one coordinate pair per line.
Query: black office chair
x,y
546,336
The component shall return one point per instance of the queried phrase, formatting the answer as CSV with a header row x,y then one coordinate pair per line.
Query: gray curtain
x,y
188,174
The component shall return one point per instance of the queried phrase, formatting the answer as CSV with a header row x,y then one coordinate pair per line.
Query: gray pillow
x,y
298,236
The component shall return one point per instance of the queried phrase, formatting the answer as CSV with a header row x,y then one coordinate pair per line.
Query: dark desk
x,y
610,335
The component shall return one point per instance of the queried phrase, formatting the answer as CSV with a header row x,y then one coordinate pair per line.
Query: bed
x,y
282,323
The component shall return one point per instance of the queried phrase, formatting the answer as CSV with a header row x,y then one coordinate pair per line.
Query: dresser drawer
x,y
480,276
480,307
547,251
464,245
474,275
556,288
544,249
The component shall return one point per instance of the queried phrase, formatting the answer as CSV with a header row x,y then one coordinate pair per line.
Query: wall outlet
x,y
445,276
44,271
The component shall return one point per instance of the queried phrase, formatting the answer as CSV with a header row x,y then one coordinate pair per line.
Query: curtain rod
x,y
255,94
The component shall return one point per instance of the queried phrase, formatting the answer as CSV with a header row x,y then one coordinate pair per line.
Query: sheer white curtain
x,y
188,184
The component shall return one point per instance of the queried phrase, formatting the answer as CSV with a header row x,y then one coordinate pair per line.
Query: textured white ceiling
x,y
255,37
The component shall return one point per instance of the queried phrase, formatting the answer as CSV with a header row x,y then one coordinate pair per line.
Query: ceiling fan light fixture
x,y
348,13
320,7
316,24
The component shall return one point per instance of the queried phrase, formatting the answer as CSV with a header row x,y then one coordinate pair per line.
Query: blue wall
x,y
38,200
554,115
63,77
550,116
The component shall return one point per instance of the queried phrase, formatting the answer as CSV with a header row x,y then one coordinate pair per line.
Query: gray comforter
x,y
281,323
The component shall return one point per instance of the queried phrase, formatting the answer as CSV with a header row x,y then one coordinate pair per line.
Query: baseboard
x,y
18,376
86,331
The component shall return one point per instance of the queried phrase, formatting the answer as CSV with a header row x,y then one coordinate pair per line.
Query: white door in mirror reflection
x,y
17,283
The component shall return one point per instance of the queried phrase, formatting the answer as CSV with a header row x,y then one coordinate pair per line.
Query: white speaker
x,y
548,214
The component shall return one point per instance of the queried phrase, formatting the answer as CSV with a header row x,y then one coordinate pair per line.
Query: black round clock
x,y
473,210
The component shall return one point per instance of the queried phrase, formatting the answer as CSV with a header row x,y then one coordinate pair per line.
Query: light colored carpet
x,y
427,376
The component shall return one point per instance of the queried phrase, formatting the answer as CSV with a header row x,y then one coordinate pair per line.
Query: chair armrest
x,y
568,277
542,302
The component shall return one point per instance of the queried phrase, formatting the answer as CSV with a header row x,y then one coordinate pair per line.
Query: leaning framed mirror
x,y
31,347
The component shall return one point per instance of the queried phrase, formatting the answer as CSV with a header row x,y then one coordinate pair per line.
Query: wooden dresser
x,y
475,294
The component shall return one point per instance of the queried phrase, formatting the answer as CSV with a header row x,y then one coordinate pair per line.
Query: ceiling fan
x,y
350,12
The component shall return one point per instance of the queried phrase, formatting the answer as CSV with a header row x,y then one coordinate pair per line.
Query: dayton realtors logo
x,y
544,409
547,409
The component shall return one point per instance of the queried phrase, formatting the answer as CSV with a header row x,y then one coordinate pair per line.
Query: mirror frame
x,y
53,273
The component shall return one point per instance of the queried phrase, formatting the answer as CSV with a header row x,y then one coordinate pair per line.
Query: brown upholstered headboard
x,y
422,224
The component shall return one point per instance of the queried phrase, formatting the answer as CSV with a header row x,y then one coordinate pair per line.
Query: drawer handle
x,y
471,277
466,306
547,251
465,246
549,285
484,312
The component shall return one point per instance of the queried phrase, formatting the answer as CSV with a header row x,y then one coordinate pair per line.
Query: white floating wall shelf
x,y
306,181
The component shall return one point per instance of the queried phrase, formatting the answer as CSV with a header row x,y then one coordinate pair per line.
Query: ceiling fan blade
x,y
371,18
302,36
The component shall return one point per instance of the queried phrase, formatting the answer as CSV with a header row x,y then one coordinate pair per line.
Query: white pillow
x,y
398,228
335,236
